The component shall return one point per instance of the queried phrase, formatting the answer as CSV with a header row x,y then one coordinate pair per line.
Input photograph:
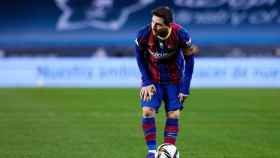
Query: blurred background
x,y
87,28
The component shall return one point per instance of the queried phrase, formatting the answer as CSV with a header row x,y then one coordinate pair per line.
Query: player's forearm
x,y
188,71
143,67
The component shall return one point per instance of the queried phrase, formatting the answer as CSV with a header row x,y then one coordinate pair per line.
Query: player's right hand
x,y
147,92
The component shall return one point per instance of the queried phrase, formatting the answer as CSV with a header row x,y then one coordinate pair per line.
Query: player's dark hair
x,y
164,12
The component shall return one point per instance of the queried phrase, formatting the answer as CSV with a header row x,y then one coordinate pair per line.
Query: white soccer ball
x,y
167,151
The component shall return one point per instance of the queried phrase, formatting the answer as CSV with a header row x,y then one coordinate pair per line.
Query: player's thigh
x,y
171,99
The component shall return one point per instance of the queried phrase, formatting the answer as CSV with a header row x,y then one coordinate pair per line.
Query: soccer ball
x,y
167,151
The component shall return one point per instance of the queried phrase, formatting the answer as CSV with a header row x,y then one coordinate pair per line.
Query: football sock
x,y
149,128
152,151
171,130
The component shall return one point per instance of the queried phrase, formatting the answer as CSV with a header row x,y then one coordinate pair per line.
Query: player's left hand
x,y
194,49
190,51
182,97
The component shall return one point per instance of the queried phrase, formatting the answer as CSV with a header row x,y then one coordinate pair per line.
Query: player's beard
x,y
162,32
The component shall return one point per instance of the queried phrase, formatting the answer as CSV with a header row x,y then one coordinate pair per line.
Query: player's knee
x,y
173,114
148,112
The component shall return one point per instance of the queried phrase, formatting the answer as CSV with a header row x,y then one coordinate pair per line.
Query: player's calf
x,y
171,127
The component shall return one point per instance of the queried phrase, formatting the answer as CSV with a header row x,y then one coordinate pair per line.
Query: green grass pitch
x,y
105,123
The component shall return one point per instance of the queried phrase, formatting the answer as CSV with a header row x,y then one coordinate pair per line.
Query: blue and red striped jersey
x,y
162,61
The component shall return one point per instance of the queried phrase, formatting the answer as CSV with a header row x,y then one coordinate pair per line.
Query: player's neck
x,y
164,38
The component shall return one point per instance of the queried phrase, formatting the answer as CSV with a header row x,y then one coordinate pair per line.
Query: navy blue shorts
x,y
168,93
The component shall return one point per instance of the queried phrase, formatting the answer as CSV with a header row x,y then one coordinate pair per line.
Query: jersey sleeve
x,y
186,42
184,38
187,75
141,62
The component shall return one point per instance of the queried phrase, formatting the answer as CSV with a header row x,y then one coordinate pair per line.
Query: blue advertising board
x,y
123,72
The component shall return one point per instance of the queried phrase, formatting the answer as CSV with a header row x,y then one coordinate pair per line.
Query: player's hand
x,y
182,97
194,49
147,92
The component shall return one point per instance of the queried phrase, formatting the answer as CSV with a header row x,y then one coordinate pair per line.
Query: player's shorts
x,y
168,93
